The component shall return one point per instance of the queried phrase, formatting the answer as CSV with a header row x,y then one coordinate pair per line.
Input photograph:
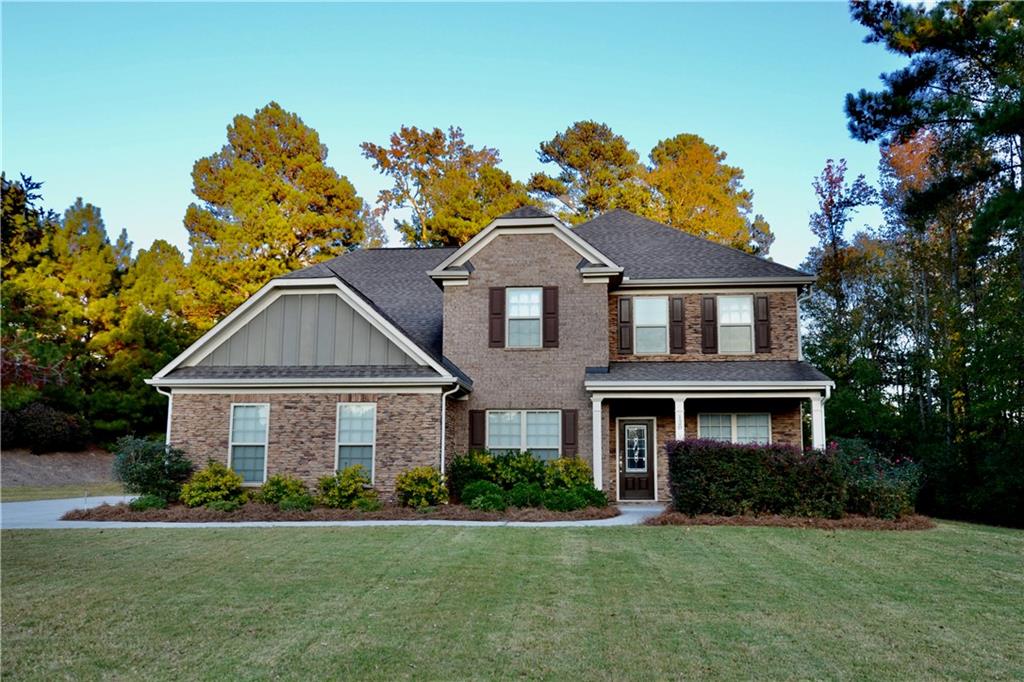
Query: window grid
x,y
247,441
755,427
650,325
539,431
357,435
523,317
736,324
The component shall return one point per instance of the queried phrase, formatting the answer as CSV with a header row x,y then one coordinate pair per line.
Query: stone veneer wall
x,y
303,431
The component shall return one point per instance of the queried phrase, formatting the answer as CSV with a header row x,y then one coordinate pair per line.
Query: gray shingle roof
x,y
527,212
649,250
303,372
724,371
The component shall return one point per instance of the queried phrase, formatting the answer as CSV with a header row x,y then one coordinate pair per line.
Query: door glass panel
x,y
636,448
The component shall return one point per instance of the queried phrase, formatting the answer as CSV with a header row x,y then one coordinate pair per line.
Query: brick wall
x,y
543,378
303,427
782,312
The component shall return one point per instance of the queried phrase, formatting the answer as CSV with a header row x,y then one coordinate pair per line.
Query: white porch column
x,y
817,422
597,429
680,401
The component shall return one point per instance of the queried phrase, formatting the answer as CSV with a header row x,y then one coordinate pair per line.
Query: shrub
x,y
296,502
213,483
476,465
711,477
877,486
591,495
144,502
567,472
479,489
345,488
519,467
148,467
491,501
44,429
226,505
526,495
564,499
280,486
421,487
368,504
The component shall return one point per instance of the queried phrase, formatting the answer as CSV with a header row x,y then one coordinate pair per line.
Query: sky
x,y
115,102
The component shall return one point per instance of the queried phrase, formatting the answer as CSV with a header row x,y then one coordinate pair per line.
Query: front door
x,y
636,468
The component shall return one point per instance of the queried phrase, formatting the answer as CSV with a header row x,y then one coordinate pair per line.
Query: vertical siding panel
x,y
328,306
307,330
238,342
257,340
378,348
290,340
275,333
343,335
221,356
360,340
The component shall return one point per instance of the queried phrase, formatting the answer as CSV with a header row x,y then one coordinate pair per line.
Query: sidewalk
x,y
45,514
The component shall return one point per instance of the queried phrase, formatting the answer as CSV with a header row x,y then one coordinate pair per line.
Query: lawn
x,y
24,493
452,603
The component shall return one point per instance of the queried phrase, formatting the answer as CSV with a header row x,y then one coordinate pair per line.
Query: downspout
x,y
799,327
444,410
170,408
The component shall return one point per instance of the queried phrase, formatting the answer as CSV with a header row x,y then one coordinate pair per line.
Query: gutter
x,y
170,410
444,409
629,283
300,382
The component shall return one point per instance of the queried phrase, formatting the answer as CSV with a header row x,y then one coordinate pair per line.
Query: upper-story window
x,y
651,325
524,317
735,324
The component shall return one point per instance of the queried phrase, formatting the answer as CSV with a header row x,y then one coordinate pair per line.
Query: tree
x,y
269,204
374,234
451,189
598,171
699,193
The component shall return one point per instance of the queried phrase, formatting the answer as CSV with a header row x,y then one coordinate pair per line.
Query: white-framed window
x,y
357,436
539,431
753,427
523,317
650,325
247,441
735,324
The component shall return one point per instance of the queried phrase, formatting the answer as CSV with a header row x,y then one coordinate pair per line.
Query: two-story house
x,y
602,341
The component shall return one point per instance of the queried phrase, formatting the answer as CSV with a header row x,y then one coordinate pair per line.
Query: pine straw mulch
x,y
673,518
254,511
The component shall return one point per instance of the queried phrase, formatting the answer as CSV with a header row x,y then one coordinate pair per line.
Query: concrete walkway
x,y
45,514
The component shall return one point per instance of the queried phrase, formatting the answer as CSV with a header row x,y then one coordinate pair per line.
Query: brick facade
x,y
303,431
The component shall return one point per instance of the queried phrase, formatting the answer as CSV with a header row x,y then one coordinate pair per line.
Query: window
x,y
539,431
248,441
651,326
736,428
524,313
357,431
735,324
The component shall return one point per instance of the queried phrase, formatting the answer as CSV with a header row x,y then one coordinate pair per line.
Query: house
x,y
601,341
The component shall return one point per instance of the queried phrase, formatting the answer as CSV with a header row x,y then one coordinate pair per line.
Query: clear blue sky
x,y
115,102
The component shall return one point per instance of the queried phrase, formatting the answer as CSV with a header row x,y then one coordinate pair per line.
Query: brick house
x,y
601,341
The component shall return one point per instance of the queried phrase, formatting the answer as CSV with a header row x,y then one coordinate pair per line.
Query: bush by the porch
x,y
149,467
421,487
346,489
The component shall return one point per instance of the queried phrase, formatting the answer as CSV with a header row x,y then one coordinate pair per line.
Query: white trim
x,y
654,439
651,326
372,443
523,446
734,423
609,386
368,382
718,322
598,438
628,283
669,291
323,390
269,293
232,443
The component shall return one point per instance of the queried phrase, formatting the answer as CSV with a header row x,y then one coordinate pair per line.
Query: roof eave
x,y
644,283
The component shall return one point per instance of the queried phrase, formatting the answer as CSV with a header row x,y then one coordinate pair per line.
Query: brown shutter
x,y
677,329
477,429
496,318
550,317
762,325
625,325
708,325
569,433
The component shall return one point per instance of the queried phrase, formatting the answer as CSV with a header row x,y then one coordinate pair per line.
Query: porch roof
x,y
707,375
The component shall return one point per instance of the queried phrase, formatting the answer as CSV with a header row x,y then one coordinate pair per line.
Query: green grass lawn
x,y
453,603
24,493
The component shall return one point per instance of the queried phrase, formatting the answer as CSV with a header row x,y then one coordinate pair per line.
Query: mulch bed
x,y
254,511
672,518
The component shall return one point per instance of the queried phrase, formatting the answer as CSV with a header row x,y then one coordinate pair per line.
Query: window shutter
x,y
496,318
708,325
762,325
477,429
550,317
625,325
677,330
569,431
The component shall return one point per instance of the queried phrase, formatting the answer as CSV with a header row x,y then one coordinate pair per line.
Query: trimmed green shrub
x,y
368,504
148,467
213,483
519,467
476,465
591,495
564,499
567,472
296,502
280,486
345,488
144,502
876,485
526,495
421,487
489,502
479,489
711,477
226,505
44,429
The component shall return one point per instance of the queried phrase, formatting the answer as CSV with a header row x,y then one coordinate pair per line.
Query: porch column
x,y
597,429
817,423
680,401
